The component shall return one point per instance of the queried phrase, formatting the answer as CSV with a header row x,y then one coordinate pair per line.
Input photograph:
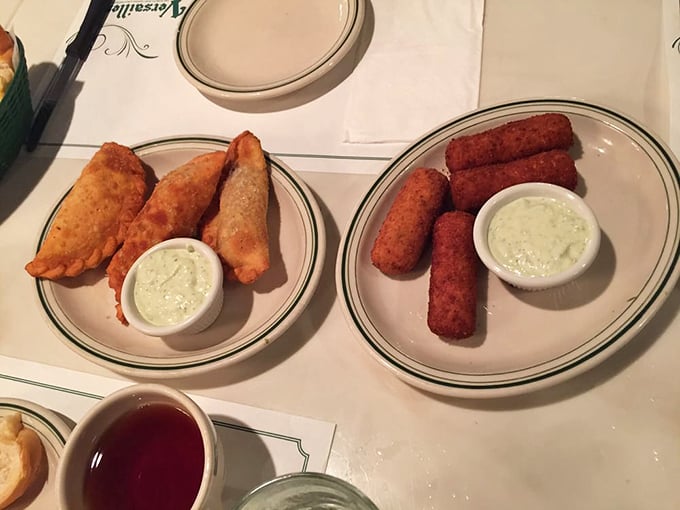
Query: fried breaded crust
x,y
452,306
471,187
406,229
173,210
510,141
237,229
94,217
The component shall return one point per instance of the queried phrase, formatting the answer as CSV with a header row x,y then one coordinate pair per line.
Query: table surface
x,y
607,439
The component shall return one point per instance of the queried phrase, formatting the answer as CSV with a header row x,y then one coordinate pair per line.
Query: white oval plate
x,y
254,49
526,341
81,309
53,433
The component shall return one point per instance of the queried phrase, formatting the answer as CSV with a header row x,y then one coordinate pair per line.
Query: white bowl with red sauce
x,y
144,446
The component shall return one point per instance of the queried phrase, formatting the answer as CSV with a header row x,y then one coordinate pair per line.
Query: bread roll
x,y
6,67
21,458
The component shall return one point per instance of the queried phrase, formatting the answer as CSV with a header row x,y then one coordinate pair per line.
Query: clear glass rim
x,y
325,479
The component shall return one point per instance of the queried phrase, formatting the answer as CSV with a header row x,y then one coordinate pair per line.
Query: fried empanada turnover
x,y
174,209
94,217
237,230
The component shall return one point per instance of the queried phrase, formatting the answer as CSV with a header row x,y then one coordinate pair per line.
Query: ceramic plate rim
x,y
55,425
135,365
346,40
50,426
476,386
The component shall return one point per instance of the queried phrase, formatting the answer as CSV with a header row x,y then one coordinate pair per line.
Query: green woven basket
x,y
16,113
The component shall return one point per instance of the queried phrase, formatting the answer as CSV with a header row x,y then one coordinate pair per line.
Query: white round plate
x,y
524,340
82,312
254,49
53,433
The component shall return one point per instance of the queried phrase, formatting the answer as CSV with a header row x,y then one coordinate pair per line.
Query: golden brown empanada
x,y
173,210
93,218
238,229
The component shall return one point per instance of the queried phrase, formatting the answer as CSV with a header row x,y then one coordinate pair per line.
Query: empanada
x,y
173,210
93,218
238,230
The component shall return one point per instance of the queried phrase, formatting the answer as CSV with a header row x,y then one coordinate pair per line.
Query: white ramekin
x,y
74,461
204,316
535,189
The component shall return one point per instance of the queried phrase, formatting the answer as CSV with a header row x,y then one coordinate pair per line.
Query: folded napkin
x,y
421,68
671,41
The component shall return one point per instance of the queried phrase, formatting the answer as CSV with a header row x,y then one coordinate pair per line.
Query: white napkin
x,y
421,68
671,42
131,90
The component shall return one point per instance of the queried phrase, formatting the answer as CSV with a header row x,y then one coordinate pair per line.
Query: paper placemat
x,y
671,40
130,91
263,444
421,70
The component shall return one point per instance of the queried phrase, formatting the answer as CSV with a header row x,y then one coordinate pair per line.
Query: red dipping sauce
x,y
150,458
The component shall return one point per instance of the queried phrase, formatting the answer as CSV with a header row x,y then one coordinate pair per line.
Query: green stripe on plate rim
x,y
249,90
314,250
219,423
431,138
35,414
368,212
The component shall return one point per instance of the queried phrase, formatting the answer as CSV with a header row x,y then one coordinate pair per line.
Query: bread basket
x,y
16,112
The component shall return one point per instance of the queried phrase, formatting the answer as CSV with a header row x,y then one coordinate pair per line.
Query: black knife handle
x,y
95,16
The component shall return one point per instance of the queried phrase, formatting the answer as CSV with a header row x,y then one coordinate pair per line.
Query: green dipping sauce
x,y
171,285
537,236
